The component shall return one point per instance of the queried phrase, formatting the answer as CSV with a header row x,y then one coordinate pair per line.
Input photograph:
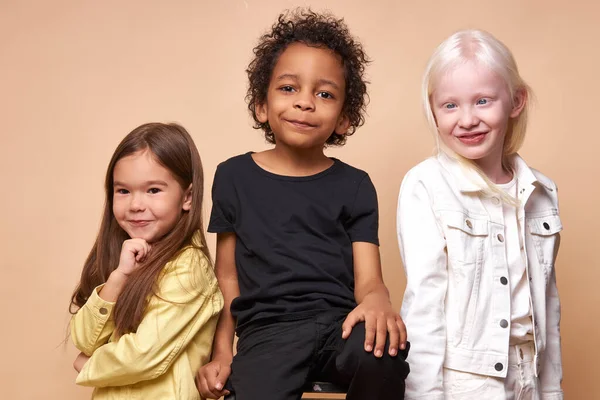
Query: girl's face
x,y
472,108
147,200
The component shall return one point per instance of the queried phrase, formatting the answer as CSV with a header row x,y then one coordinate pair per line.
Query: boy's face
x,y
305,97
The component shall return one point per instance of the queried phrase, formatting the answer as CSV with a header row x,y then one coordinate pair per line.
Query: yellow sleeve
x,y
188,297
92,325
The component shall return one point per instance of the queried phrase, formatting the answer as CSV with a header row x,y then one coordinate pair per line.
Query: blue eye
x,y
482,102
450,106
325,95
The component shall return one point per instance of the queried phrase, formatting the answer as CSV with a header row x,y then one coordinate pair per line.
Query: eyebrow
x,y
148,183
320,81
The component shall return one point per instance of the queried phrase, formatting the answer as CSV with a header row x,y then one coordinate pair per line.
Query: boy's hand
x,y
380,319
212,377
80,362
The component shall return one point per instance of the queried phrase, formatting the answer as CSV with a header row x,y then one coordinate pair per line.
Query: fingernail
x,y
368,347
402,346
393,352
378,353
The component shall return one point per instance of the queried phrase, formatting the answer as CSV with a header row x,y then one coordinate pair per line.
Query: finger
x,y
370,331
394,332
381,335
210,374
145,250
351,320
403,332
223,375
205,389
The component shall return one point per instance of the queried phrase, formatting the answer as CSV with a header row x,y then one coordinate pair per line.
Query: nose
x,y
468,118
304,101
137,202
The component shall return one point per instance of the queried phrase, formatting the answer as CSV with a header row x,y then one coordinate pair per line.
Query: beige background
x,y
76,76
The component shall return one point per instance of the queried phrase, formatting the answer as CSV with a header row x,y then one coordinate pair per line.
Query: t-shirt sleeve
x,y
363,224
222,216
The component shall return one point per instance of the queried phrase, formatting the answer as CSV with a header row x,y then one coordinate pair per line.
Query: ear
x,y
519,102
187,199
261,112
342,126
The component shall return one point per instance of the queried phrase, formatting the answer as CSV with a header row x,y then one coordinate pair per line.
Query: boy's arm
x,y
212,377
374,305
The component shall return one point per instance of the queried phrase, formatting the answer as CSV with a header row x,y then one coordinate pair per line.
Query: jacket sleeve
x,y
92,325
551,369
422,246
187,298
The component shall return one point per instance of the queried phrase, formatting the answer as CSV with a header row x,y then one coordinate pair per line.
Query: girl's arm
x,y
374,305
422,246
212,377
551,369
92,325
186,304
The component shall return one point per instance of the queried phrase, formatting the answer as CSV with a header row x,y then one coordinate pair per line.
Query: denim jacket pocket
x,y
545,236
465,236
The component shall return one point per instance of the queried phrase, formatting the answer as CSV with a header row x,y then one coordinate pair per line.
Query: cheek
x,y
117,209
445,124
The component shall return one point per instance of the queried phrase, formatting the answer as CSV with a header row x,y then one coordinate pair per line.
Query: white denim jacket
x,y
457,301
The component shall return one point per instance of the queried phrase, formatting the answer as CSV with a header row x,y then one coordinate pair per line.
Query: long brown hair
x,y
174,149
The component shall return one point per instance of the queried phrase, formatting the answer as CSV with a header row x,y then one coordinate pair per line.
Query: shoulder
x,y
428,172
190,271
350,173
234,163
546,182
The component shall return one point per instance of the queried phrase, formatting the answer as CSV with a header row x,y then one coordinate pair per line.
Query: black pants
x,y
276,359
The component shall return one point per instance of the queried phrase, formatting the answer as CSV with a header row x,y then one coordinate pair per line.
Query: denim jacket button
x,y
103,311
503,280
500,238
504,323
495,200
498,367
469,224
546,226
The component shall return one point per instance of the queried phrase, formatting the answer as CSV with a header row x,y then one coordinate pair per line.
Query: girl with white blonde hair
x,y
479,232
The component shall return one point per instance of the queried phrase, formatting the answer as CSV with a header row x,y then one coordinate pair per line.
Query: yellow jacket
x,y
160,360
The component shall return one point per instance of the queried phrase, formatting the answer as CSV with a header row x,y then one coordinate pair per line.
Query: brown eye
x,y
325,95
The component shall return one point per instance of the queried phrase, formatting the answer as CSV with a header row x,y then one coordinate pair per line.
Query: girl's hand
x,y
80,362
133,252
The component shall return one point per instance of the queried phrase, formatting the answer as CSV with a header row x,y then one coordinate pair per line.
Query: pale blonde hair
x,y
481,47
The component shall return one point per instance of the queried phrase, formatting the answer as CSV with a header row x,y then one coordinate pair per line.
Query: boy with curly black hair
x,y
297,232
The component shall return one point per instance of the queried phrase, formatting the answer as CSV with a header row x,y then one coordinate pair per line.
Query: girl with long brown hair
x,y
146,307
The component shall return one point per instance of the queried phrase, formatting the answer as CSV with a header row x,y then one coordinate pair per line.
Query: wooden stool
x,y
317,391
323,391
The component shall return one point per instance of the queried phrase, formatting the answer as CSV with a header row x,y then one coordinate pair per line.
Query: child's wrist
x,y
118,277
223,355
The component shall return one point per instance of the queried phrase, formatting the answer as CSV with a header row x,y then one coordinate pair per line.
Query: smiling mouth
x,y
138,223
300,124
472,138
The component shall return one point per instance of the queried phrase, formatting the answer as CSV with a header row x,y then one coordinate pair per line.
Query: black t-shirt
x,y
293,250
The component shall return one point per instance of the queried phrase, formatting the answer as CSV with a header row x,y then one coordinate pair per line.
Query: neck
x,y
294,162
493,168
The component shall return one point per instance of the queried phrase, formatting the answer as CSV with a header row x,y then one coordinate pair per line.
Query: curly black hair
x,y
318,30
